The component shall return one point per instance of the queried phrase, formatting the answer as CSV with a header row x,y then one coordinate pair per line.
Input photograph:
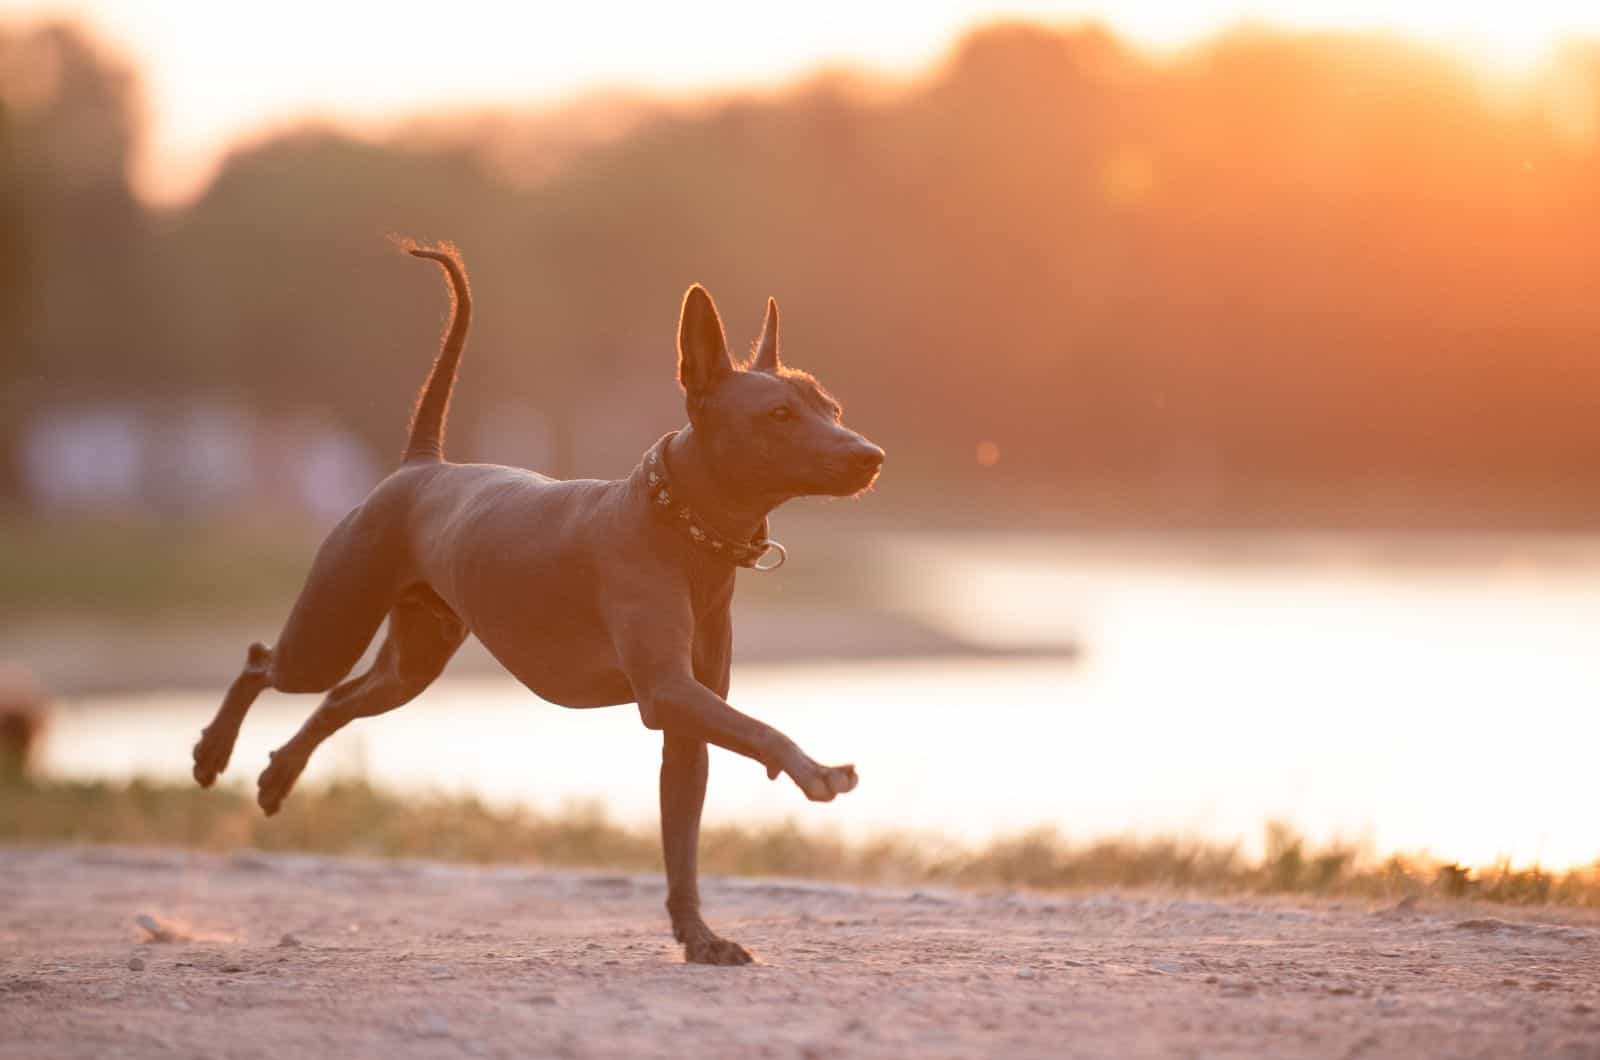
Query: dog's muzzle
x,y
857,469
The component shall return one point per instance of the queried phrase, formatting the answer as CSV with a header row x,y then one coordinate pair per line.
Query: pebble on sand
x,y
160,931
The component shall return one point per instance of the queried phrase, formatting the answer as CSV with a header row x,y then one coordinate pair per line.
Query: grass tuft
x,y
353,817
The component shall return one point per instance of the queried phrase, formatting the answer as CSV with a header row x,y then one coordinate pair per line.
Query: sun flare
x,y
215,75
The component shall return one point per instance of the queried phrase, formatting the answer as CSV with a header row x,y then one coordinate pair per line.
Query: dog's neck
x,y
723,510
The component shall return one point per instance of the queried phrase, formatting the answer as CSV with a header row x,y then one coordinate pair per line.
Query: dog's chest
x,y
713,640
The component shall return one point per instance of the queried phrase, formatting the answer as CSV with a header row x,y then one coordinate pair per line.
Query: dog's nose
x,y
868,457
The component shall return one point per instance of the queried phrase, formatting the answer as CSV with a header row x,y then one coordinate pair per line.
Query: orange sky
x,y
217,73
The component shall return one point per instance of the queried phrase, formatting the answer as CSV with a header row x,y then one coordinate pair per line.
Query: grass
x,y
136,567
354,817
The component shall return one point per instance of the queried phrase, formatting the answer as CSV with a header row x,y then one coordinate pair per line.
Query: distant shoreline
x,y
79,658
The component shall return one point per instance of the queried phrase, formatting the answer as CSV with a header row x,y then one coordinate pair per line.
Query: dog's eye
x,y
783,413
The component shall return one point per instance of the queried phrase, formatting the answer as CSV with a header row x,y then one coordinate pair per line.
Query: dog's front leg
x,y
653,646
684,704
684,764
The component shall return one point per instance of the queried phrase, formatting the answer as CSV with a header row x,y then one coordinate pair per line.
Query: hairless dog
x,y
592,593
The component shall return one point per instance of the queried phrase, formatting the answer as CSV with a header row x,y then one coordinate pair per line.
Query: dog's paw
x,y
211,754
822,783
272,787
708,948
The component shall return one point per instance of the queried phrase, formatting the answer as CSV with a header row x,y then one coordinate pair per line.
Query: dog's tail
x,y
433,404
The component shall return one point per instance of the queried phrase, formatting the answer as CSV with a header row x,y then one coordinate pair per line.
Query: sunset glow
x,y
216,75
1199,658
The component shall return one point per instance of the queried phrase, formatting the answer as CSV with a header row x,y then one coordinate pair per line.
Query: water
x,y
1442,699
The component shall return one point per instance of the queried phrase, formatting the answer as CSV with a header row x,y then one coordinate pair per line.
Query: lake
x,y
1421,693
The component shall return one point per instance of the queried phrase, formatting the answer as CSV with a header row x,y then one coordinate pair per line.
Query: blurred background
x,y
1237,369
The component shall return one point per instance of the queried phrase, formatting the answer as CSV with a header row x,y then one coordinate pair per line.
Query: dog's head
x,y
770,430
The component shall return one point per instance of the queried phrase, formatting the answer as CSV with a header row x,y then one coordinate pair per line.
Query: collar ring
x,y
767,547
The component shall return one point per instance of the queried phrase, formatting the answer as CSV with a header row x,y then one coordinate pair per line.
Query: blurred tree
x,y
1321,278
80,313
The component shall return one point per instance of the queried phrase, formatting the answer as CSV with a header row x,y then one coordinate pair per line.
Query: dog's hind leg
x,y
349,589
211,754
423,634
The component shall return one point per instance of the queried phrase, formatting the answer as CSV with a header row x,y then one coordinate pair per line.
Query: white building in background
x,y
84,457
196,456
329,470
207,455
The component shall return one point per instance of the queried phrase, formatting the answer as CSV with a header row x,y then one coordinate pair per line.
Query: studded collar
x,y
665,502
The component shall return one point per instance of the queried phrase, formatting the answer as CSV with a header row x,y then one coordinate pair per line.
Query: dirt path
x,y
416,959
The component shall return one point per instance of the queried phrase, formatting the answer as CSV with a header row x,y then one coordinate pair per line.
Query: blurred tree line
x,y
1324,278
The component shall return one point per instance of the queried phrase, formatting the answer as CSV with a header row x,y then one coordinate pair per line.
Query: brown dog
x,y
592,593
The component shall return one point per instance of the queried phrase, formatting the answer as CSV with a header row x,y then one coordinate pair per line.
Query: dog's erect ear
x,y
767,357
703,359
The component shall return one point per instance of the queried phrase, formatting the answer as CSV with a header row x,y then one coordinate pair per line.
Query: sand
x,y
155,953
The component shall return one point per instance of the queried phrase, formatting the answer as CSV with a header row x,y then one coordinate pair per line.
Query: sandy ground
x,y
308,957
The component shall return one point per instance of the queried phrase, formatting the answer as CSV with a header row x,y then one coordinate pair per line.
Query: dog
x,y
591,593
